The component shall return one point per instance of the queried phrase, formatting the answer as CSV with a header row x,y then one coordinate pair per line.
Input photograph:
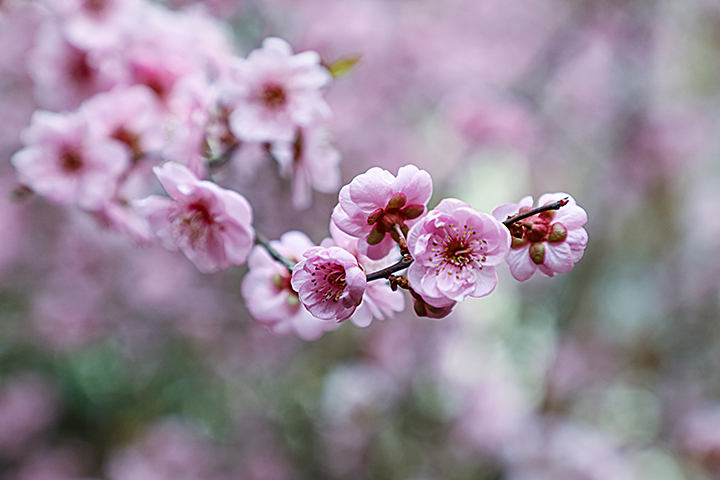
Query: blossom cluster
x,y
117,105
450,252
116,100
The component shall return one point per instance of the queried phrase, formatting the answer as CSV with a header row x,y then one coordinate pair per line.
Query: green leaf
x,y
343,65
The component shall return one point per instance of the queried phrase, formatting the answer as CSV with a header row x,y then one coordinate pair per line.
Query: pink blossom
x,y
96,23
269,296
376,201
64,162
329,282
379,300
311,162
188,126
66,75
167,46
550,242
274,92
455,250
212,226
131,116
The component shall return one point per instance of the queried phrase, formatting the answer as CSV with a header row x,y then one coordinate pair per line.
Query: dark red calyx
x,y
395,213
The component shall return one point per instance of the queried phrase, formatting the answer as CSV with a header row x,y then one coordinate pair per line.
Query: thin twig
x,y
535,211
404,263
220,161
261,240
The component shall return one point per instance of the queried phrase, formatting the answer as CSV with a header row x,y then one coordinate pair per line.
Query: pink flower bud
x,y
375,201
550,242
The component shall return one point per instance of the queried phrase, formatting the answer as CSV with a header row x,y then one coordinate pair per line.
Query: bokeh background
x,y
120,362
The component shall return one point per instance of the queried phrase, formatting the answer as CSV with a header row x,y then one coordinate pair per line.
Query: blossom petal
x,y
520,263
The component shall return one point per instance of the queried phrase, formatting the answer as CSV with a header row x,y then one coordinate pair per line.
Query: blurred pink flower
x,y
550,242
329,282
131,116
311,162
274,92
491,121
269,296
66,75
66,163
167,46
455,250
212,226
188,124
379,300
375,201
96,24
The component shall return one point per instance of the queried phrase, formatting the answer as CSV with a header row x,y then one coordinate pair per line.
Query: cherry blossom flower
x,y
65,163
375,201
269,296
96,23
311,162
212,226
65,75
330,282
455,250
550,242
188,125
130,115
274,92
379,300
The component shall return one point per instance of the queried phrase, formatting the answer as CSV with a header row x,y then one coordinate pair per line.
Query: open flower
x,y
212,226
269,296
455,250
376,201
379,300
330,283
66,163
273,92
549,242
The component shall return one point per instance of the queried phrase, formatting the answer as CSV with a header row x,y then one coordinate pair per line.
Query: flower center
x,y
79,68
95,7
195,224
71,162
127,137
273,95
457,249
332,284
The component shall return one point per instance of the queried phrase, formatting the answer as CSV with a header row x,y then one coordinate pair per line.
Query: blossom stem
x,y
402,242
220,161
404,263
535,211
261,240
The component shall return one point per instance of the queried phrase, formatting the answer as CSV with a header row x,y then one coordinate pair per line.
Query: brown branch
x,y
261,240
404,263
535,211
